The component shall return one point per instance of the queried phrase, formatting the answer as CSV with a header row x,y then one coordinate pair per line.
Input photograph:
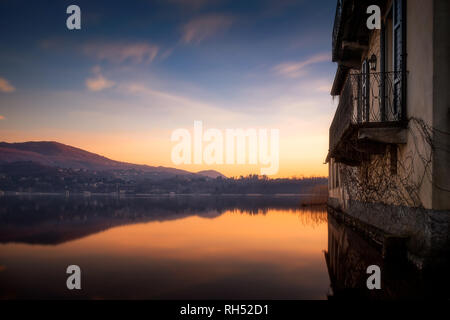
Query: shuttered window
x,y
398,47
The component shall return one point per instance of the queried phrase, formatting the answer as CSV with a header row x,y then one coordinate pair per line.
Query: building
x,y
389,149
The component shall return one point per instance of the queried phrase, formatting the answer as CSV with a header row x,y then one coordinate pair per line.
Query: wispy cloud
x,y
166,53
204,27
172,105
168,98
5,86
297,69
326,88
141,52
98,82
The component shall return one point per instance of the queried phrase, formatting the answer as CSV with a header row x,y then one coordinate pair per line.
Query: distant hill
x,y
54,154
52,167
211,174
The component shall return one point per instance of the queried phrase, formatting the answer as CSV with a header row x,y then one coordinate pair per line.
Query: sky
x,y
137,71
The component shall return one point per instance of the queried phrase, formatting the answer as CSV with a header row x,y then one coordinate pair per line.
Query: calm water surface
x,y
163,248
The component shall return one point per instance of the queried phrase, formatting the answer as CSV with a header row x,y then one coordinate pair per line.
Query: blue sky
x,y
138,70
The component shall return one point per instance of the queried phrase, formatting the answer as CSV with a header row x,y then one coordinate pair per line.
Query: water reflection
x,y
350,253
194,248
160,248
55,220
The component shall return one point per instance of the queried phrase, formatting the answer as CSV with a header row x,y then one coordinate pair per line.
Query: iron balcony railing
x,y
370,100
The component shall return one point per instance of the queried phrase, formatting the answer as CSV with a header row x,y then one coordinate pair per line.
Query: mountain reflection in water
x,y
193,248
163,248
54,220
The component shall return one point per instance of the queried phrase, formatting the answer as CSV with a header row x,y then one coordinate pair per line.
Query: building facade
x,y
389,147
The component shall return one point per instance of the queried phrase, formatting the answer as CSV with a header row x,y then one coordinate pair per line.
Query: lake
x,y
186,247
163,248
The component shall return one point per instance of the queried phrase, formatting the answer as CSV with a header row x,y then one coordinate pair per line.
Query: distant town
x,y
50,167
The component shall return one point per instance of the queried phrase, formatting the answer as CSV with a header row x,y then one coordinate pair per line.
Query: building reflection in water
x,y
350,253
163,248
197,247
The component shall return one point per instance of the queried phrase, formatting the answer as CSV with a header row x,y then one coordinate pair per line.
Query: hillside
x,y
55,167
54,154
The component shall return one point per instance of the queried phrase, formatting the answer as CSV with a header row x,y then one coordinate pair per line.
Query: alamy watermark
x,y
74,280
231,146
374,280
73,21
374,20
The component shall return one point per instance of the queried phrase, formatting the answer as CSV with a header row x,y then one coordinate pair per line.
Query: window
x,y
393,59
338,183
334,175
334,167
398,55
393,158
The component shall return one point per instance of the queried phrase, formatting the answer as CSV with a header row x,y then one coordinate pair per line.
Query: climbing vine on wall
x,y
397,176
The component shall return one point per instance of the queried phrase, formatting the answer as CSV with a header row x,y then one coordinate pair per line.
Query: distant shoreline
x,y
81,194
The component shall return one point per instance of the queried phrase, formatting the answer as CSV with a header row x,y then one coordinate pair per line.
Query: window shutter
x,y
398,46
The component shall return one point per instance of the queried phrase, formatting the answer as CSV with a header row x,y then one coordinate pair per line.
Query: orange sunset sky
x,y
131,76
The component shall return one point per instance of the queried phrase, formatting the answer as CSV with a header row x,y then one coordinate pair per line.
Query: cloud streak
x,y
5,86
202,28
98,82
174,105
117,53
168,99
297,69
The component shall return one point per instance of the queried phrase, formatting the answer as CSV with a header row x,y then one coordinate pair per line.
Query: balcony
x,y
370,115
350,34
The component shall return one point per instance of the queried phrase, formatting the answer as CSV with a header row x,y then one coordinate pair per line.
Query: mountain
x,y
51,167
211,174
54,154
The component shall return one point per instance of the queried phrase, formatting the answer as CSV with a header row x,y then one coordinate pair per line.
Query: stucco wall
x,y
419,100
441,104
427,100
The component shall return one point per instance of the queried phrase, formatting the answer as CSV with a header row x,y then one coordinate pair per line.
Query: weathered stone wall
x,y
427,230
